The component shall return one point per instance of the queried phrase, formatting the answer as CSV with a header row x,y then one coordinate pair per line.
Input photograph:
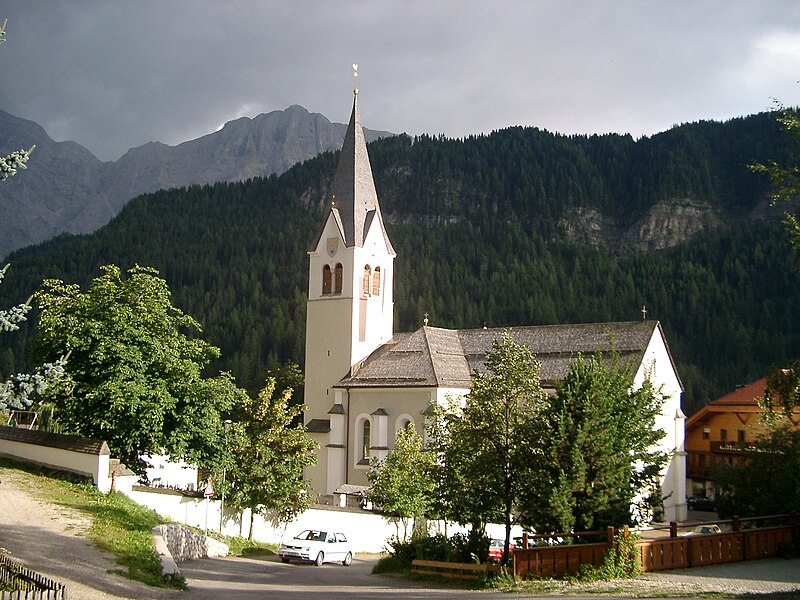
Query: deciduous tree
x,y
767,479
135,371
403,483
268,455
489,450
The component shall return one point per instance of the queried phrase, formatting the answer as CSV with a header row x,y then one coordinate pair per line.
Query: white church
x,y
364,382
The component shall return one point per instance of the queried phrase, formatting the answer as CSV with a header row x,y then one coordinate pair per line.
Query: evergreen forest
x,y
477,224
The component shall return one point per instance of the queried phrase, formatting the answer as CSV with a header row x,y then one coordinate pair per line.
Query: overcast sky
x,y
115,74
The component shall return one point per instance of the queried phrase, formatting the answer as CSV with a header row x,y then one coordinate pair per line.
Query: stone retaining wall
x,y
185,544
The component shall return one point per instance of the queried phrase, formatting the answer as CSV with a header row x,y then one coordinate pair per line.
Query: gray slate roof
x,y
435,357
355,199
54,440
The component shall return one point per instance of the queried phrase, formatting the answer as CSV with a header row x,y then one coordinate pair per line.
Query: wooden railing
x,y
453,570
560,560
673,552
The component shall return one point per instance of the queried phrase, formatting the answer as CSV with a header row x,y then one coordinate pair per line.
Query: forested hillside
x,y
481,231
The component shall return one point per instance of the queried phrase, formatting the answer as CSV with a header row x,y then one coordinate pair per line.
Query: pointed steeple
x,y
353,190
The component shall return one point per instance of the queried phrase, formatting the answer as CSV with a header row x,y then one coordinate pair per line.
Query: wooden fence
x,y
30,585
453,570
673,552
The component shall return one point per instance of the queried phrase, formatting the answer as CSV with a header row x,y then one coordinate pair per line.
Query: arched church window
x,y
365,439
326,280
376,281
367,280
337,280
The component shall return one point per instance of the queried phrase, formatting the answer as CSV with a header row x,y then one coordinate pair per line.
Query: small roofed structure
x,y
83,456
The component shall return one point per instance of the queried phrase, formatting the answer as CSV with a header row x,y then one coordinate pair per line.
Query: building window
x,y
365,439
338,279
367,280
376,281
742,439
326,280
723,435
706,433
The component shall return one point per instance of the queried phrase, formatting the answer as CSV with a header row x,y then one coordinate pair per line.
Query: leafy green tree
x,y
767,480
782,394
403,483
786,177
600,450
488,449
268,454
135,375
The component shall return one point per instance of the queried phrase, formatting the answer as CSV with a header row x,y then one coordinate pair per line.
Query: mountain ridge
x,y
68,189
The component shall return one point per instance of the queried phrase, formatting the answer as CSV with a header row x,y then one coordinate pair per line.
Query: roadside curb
x,y
168,564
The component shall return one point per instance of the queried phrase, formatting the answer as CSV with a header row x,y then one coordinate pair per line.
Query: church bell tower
x,y
350,308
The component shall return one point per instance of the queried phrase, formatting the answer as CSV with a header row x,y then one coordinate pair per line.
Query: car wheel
x,y
347,560
320,559
284,559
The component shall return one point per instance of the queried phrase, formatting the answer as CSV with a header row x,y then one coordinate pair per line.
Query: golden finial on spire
x,y
355,79
425,320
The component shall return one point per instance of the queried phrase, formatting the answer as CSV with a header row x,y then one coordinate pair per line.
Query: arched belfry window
x,y
376,281
337,280
367,280
326,280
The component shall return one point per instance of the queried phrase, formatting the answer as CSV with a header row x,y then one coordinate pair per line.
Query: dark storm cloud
x,y
116,74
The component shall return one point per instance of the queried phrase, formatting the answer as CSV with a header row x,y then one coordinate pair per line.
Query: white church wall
x,y
658,366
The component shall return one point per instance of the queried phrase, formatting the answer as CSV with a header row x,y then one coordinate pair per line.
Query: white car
x,y
318,547
703,529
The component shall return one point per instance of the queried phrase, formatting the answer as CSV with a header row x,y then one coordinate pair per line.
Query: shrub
x,y
469,548
621,561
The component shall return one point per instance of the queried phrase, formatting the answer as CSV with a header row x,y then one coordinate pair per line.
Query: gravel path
x,y
51,540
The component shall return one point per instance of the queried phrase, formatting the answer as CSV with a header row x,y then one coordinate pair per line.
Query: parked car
x,y
496,549
318,547
707,529
703,529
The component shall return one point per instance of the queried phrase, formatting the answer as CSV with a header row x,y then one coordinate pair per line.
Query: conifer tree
x,y
599,450
17,391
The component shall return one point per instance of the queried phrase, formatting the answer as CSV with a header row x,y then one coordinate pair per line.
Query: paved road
x,y
267,577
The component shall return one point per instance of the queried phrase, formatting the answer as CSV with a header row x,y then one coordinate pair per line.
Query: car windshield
x,y
312,535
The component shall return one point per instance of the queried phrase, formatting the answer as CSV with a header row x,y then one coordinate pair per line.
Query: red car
x,y
496,549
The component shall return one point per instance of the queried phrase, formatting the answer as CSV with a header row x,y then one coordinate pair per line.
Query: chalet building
x,y
720,432
364,382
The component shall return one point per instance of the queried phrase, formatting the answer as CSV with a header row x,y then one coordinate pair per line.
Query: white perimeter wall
x,y
91,465
367,531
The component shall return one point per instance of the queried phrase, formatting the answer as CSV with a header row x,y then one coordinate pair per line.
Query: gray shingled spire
x,y
353,186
